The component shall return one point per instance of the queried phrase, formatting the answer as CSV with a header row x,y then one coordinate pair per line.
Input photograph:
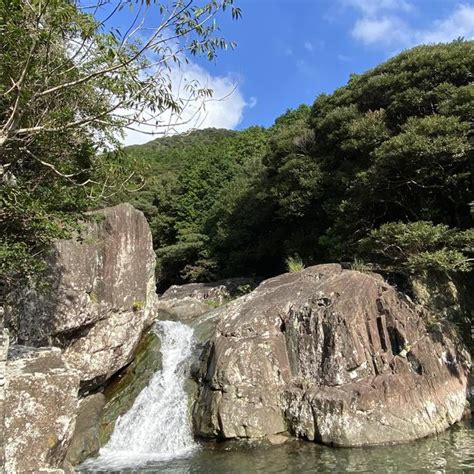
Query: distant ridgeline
x,y
379,174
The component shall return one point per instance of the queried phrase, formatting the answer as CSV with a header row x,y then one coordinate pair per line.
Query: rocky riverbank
x,y
326,354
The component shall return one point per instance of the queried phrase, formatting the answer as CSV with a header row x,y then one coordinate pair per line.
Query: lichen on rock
x,y
39,409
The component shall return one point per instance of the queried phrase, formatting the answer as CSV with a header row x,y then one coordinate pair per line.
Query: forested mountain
x,y
188,180
379,172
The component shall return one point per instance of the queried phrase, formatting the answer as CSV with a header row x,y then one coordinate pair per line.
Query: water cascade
x,y
157,426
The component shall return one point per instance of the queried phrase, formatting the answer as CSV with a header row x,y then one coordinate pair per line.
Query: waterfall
x,y
157,426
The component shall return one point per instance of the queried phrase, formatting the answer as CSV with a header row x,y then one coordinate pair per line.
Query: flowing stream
x,y
157,426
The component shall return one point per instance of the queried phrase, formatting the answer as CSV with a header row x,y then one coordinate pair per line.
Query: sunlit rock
x,y
98,295
331,355
40,406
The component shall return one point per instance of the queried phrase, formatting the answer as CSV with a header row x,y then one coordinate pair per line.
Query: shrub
x,y
360,266
420,246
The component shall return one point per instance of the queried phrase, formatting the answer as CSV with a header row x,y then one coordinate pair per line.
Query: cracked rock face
x,y
100,295
331,355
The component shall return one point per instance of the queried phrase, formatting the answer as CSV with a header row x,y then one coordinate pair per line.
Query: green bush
x,y
419,246
294,264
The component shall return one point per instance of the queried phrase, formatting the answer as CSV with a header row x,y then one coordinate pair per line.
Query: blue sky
x,y
290,51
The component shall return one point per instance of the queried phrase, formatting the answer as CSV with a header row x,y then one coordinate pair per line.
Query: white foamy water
x,y
157,426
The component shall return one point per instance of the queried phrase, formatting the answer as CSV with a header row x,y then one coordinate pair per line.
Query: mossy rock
x,y
449,298
125,386
85,442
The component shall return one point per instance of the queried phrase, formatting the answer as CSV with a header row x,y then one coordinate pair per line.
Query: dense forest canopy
x,y
378,173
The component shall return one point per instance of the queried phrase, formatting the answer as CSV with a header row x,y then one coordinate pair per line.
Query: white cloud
x,y
224,110
344,58
385,30
374,7
459,23
252,102
376,26
308,46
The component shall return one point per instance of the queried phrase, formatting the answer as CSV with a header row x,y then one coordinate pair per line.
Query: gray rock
x,y
186,303
331,355
39,410
4,344
219,291
98,297
86,439
185,309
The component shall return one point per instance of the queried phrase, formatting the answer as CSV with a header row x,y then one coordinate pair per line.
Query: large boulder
x,y
218,291
97,297
40,404
332,355
186,303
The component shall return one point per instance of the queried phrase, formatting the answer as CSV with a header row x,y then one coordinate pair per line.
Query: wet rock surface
x,y
86,439
332,355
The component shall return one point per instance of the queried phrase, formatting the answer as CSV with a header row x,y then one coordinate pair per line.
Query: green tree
x,y
405,155
419,246
70,84
384,160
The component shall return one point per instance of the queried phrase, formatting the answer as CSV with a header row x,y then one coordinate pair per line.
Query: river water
x,y
155,437
451,451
